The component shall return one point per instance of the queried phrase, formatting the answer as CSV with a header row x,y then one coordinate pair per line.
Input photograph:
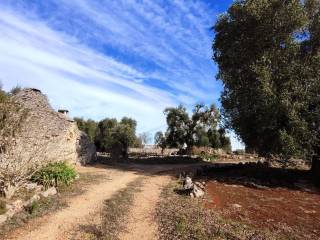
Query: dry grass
x,y
180,217
2,206
47,205
114,214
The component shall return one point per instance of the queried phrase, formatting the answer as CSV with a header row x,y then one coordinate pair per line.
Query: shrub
x,y
208,156
55,174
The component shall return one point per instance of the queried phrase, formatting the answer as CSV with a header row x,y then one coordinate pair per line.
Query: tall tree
x,y
103,138
116,137
268,56
160,140
186,131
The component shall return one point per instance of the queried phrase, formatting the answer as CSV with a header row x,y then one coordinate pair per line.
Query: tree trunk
x,y
315,170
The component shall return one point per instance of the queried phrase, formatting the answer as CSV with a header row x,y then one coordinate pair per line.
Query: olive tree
x,y
116,137
268,53
187,131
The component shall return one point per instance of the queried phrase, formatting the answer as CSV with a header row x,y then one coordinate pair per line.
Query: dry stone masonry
x,y
49,135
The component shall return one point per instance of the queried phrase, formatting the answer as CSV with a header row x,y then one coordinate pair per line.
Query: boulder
x,y
197,192
188,184
194,189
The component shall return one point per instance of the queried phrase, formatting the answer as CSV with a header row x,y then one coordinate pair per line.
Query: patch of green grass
x,y
55,174
209,157
114,214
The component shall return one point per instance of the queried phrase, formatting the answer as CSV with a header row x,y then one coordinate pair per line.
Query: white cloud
x,y
63,55
70,73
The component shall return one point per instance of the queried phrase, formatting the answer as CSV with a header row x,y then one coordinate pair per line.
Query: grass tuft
x,y
55,174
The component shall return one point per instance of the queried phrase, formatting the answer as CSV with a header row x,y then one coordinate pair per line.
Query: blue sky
x,y
112,58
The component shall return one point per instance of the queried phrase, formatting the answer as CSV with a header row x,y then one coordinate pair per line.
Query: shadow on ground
x,y
259,176
252,174
171,165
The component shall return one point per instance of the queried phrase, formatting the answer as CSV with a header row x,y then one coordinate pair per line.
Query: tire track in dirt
x,y
59,225
141,224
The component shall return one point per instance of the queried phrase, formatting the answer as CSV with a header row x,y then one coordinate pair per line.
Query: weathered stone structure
x,y
49,135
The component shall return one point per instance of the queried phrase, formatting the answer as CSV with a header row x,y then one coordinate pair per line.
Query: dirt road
x,y
62,224
141,224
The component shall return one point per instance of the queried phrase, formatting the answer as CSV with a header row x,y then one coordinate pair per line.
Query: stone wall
x,y
153,151
49,135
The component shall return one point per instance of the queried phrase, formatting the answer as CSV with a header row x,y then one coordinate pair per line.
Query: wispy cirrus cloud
x,y
111,58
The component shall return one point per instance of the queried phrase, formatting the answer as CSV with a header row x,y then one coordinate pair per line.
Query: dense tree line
x,y
111,135
200,129
268,52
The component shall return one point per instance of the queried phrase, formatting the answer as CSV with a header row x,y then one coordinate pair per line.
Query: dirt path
x,y
85,208
60,224
141,224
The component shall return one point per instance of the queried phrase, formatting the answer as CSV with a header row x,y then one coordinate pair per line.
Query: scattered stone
x,y
14,208
195,189
200,185
188,184
49,192
196,192
31,186
34,198
257,186
236,205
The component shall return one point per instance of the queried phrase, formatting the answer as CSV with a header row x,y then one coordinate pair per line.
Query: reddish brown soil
x,y
293,212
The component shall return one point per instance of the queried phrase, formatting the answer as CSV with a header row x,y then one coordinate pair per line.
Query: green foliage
x,y
208,157
199,129
160,140
33,208
88,126
116,137
55,174
109,135
268,54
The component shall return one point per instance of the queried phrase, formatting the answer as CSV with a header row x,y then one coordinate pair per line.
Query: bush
x,y
55,174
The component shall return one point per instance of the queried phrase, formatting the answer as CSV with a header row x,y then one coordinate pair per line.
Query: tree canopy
x,y
199,129
111,135
88,126
269,62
